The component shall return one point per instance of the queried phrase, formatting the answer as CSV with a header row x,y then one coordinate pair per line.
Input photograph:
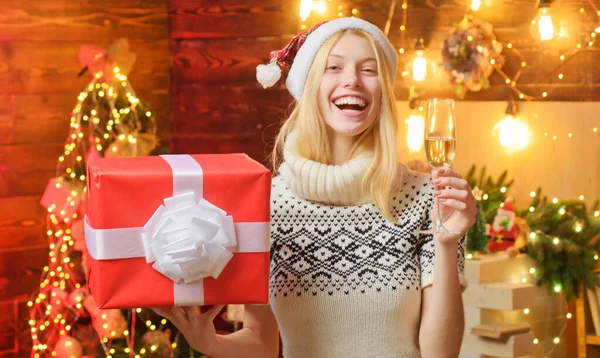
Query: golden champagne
x,y
440,151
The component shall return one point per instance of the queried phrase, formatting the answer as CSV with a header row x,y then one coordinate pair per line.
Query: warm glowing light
x,y
419,67
513,133
415,132
543,24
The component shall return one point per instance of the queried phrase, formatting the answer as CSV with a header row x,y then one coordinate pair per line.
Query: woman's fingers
x,y
456,204
214,311
191,312
163,311
454,182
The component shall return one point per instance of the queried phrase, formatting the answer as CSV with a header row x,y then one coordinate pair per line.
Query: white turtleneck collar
x,y
330,184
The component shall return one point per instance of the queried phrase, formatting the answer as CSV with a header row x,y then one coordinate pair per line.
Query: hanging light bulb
x,y
415,131
419,64
542,24
513,133
307,6
475,5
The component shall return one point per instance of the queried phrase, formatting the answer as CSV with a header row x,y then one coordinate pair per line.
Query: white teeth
x,y
350,100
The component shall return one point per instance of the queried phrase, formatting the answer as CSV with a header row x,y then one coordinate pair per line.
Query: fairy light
x,y
49,316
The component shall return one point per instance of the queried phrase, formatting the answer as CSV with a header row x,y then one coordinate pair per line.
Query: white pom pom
x,y
268,75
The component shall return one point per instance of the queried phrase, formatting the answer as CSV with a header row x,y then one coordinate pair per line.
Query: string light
x,y
50,310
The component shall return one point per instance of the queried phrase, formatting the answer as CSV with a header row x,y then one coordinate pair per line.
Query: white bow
x,y
187,240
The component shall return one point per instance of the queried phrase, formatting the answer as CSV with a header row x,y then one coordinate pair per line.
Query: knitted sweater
x,y
346,282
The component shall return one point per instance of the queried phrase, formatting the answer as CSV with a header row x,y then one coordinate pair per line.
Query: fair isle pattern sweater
x,y
346,282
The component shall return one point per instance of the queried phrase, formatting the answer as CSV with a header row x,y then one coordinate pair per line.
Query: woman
x,y
350,275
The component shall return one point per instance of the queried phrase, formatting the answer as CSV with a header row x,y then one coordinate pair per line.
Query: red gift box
x,y
138,256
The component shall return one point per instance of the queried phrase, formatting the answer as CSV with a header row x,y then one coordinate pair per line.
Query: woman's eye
x,y
333,67
369,70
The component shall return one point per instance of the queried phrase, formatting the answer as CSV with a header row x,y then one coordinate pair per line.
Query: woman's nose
x,y
351,79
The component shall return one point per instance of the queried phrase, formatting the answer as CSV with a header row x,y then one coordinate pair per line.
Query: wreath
x,y
470,54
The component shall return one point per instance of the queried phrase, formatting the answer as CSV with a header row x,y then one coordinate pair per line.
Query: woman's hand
x,y
458,205
197,328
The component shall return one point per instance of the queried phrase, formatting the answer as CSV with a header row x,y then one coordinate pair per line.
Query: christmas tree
x,y
108,120
490,195
476,236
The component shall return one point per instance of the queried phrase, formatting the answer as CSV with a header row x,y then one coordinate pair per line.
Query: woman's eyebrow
x,y
362,60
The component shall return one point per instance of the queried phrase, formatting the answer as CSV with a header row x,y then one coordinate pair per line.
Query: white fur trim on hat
x,y
307,52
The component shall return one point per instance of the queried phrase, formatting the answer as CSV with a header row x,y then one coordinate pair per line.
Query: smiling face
x,y
350,91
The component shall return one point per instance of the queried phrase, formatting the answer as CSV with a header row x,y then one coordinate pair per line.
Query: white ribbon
x,y
187,240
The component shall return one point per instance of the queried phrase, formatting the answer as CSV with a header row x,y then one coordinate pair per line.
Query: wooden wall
x,y
39,43
217,105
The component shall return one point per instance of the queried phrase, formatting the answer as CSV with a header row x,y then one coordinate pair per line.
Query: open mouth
x,y
351,104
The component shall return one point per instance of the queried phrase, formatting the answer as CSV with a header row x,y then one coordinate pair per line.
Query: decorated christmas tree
x,y
108,120
490,195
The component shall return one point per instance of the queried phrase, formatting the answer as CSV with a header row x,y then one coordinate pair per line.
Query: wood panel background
x,y
217,105
39,43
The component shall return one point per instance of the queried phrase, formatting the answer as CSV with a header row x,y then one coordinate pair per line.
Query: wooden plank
x,y
83,21
240,109
23,268
237,98
557,92
22,222
191,124
220,61
8,327
24,169
7,115
254,146
192,19
45,118
55,66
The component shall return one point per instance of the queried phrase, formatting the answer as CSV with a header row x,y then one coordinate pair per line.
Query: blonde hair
x,y
381,178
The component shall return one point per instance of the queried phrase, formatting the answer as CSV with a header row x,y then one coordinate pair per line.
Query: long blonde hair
x,y
381,178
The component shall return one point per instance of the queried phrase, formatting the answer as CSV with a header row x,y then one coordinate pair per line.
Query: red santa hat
x,y
507,206
299,53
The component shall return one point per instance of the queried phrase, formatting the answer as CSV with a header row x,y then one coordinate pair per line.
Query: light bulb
x,y
307,6
415,132
475,5
513,133
419,67
305,9
543,26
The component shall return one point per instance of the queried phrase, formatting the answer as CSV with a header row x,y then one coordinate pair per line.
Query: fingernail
x,y
442,170
442,199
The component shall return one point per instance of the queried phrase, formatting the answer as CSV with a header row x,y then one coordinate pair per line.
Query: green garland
x,y
564,240
564,243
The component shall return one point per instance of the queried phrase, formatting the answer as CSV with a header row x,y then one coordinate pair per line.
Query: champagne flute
x,y
440,145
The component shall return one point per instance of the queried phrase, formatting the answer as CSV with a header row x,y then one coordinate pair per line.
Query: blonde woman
x,y
350,275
